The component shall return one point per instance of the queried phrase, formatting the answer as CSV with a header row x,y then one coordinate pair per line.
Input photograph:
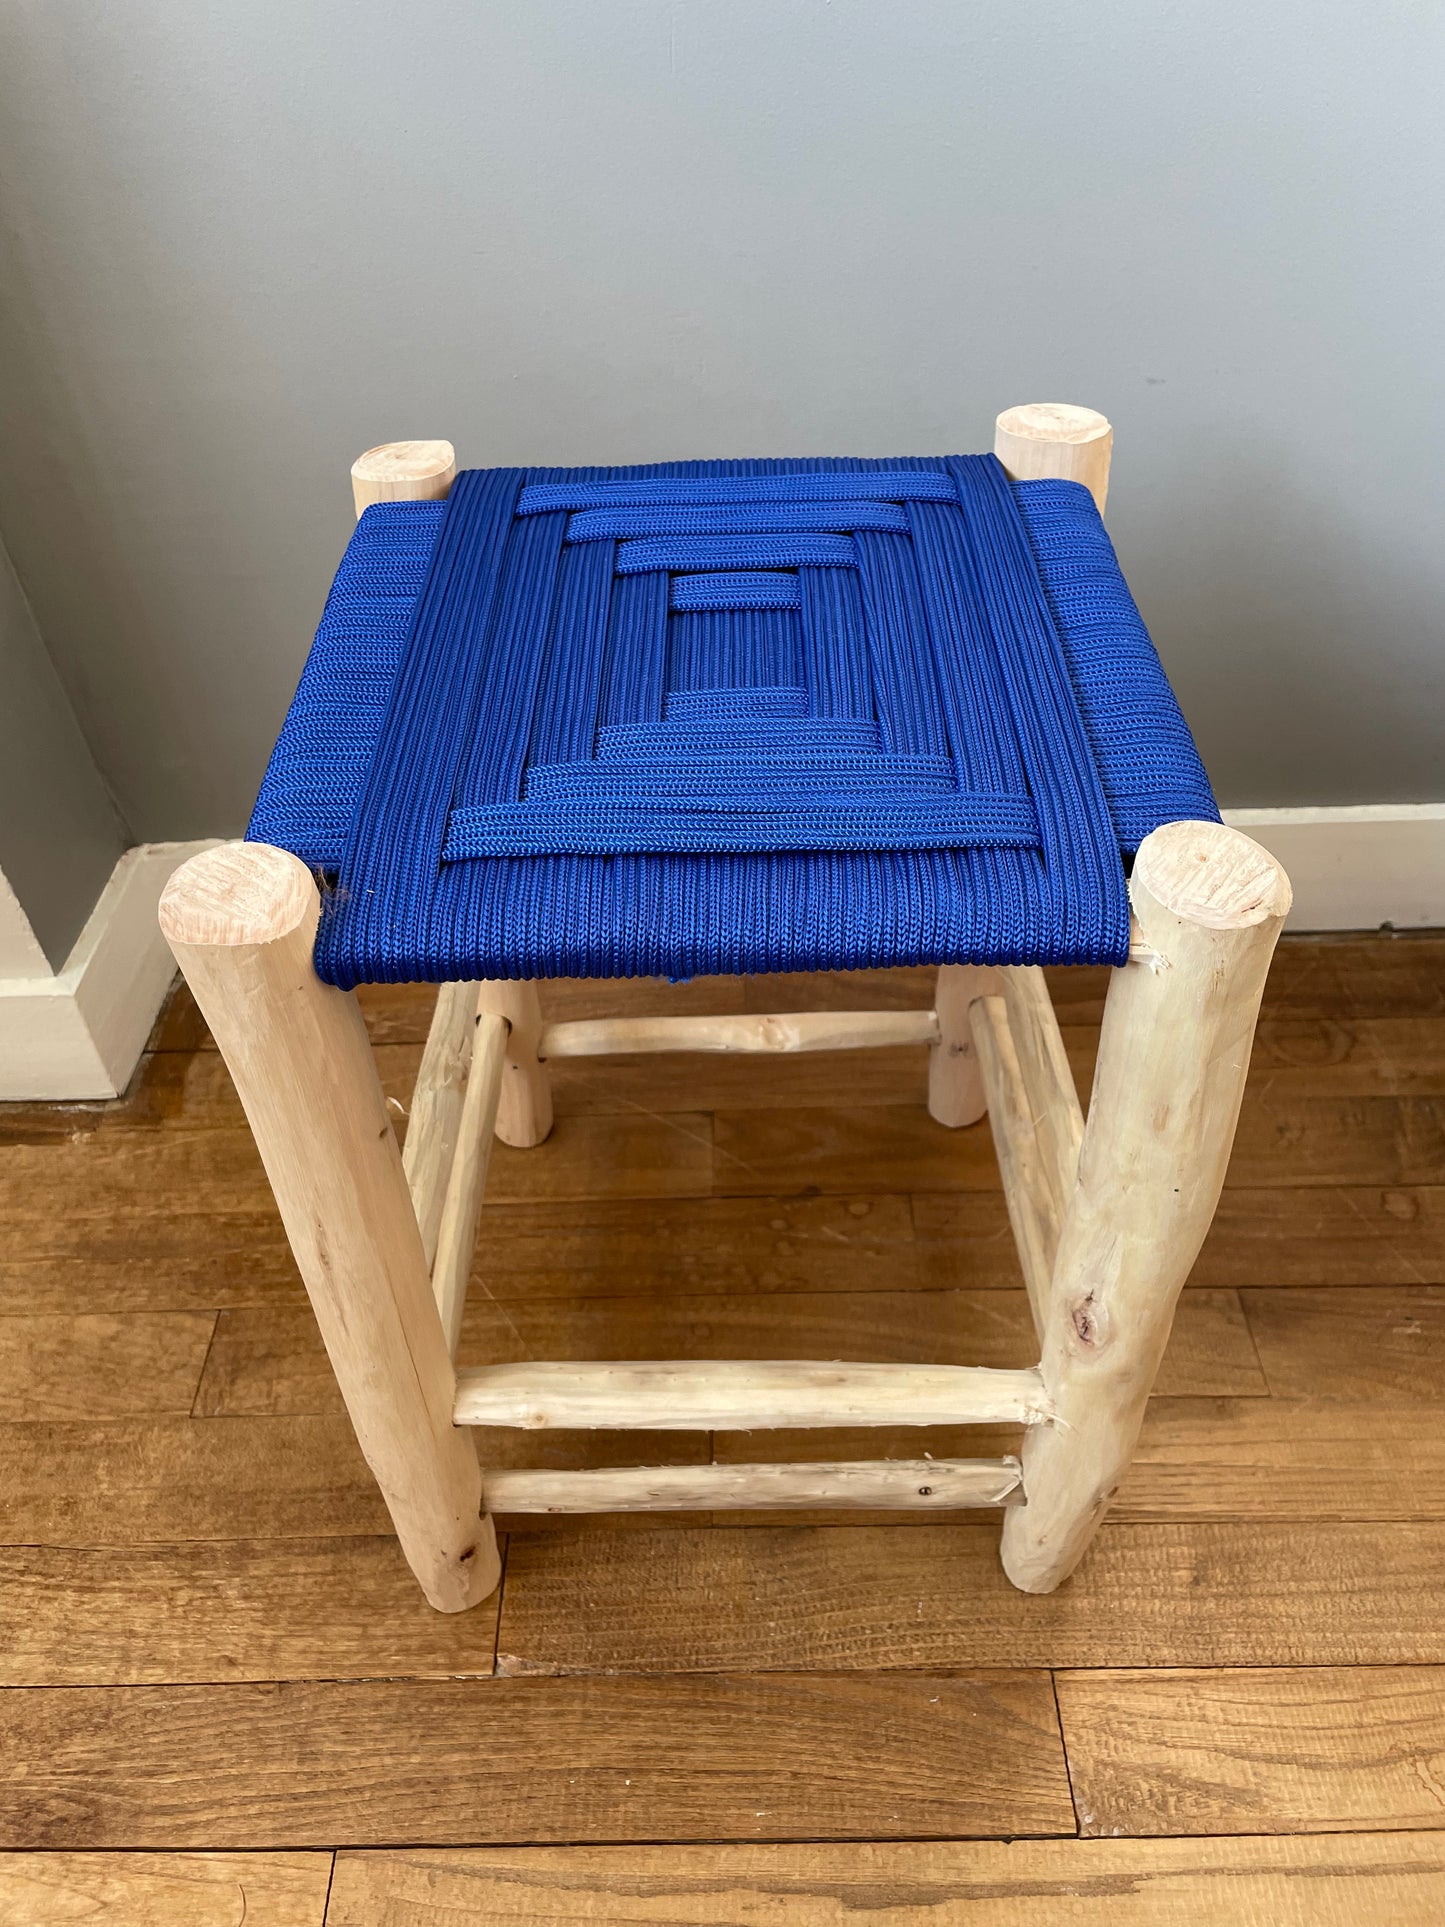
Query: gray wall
x,y
245,241
59,832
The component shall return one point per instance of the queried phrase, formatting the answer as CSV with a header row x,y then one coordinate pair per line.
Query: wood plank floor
x,y
225,1698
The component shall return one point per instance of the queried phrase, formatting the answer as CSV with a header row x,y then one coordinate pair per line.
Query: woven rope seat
x,y
727,716
731,717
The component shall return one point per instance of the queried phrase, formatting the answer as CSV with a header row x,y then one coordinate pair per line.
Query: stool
x,y
735,716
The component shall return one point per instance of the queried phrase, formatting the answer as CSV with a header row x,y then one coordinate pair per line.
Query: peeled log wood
x,y
692,1395
912,1484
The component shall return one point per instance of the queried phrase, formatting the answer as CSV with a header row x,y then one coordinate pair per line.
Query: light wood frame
x,y
1108,1212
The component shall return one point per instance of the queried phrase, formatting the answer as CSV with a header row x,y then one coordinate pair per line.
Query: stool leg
x,y
241,920
524,1109
1172,1063
955,1083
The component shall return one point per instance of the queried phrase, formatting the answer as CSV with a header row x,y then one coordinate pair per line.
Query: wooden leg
x,y
437,1103
955,1084
524,1109
403,472
241,920
1172,1062
1033,1112
1055,439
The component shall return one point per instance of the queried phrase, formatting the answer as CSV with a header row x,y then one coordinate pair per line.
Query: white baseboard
x,y
79,1032
1357,867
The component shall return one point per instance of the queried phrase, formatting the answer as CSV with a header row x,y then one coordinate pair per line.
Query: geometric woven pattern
x,y
727,716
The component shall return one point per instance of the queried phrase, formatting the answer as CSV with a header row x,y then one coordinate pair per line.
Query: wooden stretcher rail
x,y
904,1484
694,1395
797,1031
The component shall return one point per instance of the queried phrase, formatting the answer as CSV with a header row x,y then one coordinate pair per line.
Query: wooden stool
x,y
1108,1212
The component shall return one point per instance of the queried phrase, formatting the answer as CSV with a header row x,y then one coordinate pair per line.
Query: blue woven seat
x,y
727,716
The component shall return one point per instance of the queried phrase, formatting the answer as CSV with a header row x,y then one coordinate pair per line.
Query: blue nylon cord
x,y
1135,727
726,732
796,483
743,648
637,640
836,667
738,518
738,589
481,681
836,820
745,552
735,705
726,779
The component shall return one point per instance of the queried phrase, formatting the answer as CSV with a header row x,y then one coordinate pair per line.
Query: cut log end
x,y
1053,421
1209,874
1056,440
403,472
238,893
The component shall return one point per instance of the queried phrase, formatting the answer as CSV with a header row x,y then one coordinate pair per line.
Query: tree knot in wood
x,y
1087,1322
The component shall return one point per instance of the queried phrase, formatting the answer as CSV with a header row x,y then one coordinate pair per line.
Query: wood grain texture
x,y
1346,1235
434,1108
128,1173
403,472
685,1395
601,1248
892,1074
533,1760
778,1034
1056,439
1208,906
1038,1174
955,1090
1387,1141
234,1610
98,1365
735,1246
156,1552
1363,1344
927,1485
107,1484
164,1889
1360,1057
1292,1058
138,1259
264,1361
182,1480
466,1181
899,1146
1370,975
73,1265
1279,1236
1385,1879
1276,1751
1274,1458
1207,1458
302,1476
930,1595
524,1094
1330,978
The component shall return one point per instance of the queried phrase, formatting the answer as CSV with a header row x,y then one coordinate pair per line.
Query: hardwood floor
x,y
227,1698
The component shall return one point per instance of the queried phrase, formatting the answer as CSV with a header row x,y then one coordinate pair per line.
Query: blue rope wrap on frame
x,y
727,716
1145,755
